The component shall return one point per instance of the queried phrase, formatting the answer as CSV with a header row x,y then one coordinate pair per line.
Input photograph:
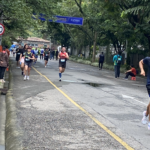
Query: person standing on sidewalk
x,y
101,60
4,63
117,59
146,113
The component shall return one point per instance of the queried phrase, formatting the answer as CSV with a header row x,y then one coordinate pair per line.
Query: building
x,y
35,42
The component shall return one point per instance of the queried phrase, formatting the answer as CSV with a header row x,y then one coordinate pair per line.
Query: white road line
x,y
133,98
138,84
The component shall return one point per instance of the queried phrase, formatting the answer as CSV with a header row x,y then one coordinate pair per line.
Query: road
x,y
50,119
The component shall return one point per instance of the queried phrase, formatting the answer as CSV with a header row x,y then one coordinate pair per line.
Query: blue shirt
x,y
115,58
32,51
146,61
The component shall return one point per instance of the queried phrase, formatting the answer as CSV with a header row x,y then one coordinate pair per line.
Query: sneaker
x,y
25,78
144,119
125,78
149,126
60,79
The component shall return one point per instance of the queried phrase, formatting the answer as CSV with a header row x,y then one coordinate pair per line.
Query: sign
x,y
2,29
68,20
61,19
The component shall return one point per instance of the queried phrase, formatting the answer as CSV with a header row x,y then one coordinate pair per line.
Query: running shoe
x,y
25,78
144,119
125,78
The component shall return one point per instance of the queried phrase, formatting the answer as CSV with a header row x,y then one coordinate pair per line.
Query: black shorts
x,y
63,65
46,58
17,57
148,89
29,64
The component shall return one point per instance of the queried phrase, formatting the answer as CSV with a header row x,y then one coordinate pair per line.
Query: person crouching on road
x,y
29,57
131,72
63,56
46,56
4,63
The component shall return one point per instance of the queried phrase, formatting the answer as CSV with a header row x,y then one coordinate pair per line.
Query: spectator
x,y
101,60
117,63
4,62
131,72
7,50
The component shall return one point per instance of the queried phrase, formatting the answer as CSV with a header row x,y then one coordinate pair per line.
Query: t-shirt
x,y
18,52
23,52
42,51
133,71
115,58
46,53
32,51
101,58
146,61
36,52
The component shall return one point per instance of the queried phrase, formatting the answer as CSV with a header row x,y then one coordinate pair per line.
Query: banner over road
x,y
62,19
68,20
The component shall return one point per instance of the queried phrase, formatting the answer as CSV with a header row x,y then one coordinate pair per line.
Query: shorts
x,y
29,64
22,60
46,58
17,57
148,89
63,65
36,56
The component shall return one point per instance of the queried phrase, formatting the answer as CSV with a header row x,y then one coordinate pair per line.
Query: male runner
x,y
63,56
146,61
29,57
18,52
36,54
22,56
41,53
46,56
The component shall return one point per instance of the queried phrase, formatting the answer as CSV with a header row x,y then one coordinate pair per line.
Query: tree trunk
x,y
94,47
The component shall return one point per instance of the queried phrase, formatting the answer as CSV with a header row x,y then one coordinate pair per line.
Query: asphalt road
x,y
50,121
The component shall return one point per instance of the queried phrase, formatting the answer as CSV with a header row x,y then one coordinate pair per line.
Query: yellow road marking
x,y
94,119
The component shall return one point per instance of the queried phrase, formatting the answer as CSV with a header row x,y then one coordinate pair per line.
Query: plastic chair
x,y
133,78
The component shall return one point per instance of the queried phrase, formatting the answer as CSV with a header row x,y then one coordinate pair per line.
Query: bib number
x,y
27,59
18,53
62,60
46,54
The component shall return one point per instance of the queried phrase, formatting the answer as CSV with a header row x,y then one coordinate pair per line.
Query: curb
x,y
12,133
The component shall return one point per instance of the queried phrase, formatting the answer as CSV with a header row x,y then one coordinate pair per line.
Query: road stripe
x,y
88,114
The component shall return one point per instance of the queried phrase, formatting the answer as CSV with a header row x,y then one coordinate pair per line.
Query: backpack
x,y
119,60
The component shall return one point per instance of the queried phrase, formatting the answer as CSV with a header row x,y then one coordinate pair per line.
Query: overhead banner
x,y
62,19
68,20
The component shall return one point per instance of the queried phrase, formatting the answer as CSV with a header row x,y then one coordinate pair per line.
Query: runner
x,y
46,56
63,56
22,56
29,57
36,54
146,61
14,51
18,52
41,53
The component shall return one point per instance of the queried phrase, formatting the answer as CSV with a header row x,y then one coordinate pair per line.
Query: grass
x,y
95,64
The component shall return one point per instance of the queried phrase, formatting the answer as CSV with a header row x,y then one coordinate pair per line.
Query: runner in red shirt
x,y
63,56
131,72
